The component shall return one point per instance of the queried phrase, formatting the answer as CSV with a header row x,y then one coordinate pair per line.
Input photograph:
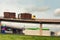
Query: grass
x,y
25,37
37,29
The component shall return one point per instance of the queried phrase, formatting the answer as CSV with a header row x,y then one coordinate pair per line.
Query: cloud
x,y
57,12
20,5
38,9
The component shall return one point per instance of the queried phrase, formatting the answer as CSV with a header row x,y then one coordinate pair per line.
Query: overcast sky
x,y
40,8
43,9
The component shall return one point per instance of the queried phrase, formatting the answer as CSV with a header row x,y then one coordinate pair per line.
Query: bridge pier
x,y
40,29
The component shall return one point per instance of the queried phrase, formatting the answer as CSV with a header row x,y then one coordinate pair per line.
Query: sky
x,y
43,9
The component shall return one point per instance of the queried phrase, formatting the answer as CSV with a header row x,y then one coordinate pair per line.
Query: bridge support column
x,y
40,29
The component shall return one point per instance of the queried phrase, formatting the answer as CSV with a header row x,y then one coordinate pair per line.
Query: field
x,y
25,37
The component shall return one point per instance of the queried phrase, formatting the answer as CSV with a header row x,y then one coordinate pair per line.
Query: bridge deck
x,y
43,21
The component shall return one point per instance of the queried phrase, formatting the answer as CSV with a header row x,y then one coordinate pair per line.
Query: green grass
x,y
37,29
25,37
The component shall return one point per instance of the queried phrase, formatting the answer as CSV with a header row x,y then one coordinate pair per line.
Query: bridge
x,y
38,21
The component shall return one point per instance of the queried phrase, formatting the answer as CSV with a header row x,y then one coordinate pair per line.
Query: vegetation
x,y
25,37
37,29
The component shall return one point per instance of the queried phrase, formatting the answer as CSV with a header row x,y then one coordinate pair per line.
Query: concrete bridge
x,y
39,21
